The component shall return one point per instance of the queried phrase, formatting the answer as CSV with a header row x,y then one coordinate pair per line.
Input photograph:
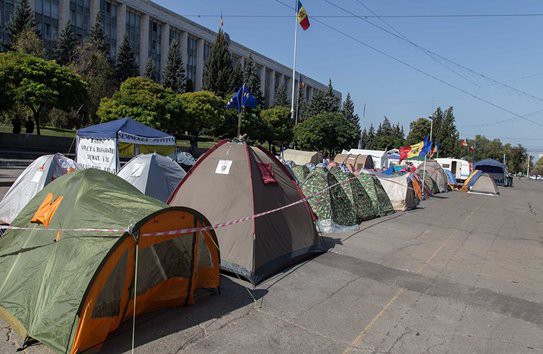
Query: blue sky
x,y
507,49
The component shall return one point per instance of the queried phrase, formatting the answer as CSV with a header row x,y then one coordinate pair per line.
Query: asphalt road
x,y
461,274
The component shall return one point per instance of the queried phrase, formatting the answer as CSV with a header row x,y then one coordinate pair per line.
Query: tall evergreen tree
x,y
364,139
22,19
371,137
281,98
301,105
67,44
332,102
218,68
97,37
150,70
174,73
125,65
348,111
252,79
318,104
236,79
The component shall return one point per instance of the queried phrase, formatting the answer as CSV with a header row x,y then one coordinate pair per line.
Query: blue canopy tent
x,y
100,146
450,177
493,168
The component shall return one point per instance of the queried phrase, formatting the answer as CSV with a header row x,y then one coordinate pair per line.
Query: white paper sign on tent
x,y
97,153
223,167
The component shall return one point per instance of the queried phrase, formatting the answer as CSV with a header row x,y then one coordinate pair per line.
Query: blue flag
x,y
242,98
426,148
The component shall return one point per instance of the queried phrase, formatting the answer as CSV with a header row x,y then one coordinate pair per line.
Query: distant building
x,y
151,28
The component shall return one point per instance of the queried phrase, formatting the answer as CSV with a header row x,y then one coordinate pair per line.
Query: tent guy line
x,y
195,229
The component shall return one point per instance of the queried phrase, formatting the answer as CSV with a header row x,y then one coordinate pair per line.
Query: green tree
x,y
125,65
281,98
418,130
28,42
237,78
147,102
301,105
279,124
94,67
516,158
364,139
349,112
327,131
218,69
174,73
22,19
204,111
38,85
252,79
318,104
388,136
67,45
332,102
150,70
97,37
538,167
445,132
371,137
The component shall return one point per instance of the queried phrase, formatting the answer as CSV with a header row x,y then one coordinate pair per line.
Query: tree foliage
x,y
484,148
174,73
388,136
94,67
147,102
418,130
203,110
327,131
67,44
252,79
279,125
445,132
219,72
38,85
97,37
125,65
317,105
150,70
281,98
330,99
349,111
28,42
22,19
538,167
237,77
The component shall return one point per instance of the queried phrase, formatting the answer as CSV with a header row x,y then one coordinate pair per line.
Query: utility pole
x,y
528,167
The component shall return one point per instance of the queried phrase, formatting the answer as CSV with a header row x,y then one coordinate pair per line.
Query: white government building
x,y
151,28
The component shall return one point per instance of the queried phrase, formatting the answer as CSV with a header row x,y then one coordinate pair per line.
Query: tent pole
x,y
135,293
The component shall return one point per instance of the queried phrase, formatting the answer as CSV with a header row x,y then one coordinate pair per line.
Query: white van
x,y
461,169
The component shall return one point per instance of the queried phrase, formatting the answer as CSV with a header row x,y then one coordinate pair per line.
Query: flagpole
x,y
293,115
424,170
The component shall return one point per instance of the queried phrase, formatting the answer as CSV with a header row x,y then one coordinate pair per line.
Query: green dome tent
x,y
379,198
360,200
300,173
330,204
70,288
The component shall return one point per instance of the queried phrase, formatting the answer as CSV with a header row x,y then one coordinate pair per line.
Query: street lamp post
x,y
424,171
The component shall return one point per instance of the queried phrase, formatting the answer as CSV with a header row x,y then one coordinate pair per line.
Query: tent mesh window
x,y
168,259
204,255
109,301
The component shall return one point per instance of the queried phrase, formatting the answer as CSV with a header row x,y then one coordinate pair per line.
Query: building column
x,y
94,9
144,42
184,39
63,14
164,45
263,80
121,23
199,65
271,101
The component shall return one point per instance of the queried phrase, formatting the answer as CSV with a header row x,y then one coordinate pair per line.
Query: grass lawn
x,y
51,131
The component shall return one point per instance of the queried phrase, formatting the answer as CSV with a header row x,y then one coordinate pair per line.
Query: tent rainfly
x,y
70,288
493,168
233,181
153,175
400,191
436,173
300,157
358,162
37,175
100,146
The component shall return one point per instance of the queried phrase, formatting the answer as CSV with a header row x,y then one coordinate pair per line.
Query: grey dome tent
x,y
153,175
436,173
235,180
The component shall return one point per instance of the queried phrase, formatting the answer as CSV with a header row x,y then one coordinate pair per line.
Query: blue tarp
x,y
450,177
126,125
494,168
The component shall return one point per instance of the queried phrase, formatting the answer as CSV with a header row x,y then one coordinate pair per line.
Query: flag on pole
x,y
411,150
242,98
303,19
434,149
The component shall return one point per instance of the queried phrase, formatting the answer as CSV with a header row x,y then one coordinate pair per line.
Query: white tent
x,y
153,174
400,191
380,158
37,175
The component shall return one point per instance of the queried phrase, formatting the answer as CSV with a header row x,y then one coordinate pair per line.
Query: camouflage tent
x,y
378,195
332,207
300,173
359,198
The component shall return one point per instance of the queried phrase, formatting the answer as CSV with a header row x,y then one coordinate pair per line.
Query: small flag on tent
x,y
464,143
242,98
303,19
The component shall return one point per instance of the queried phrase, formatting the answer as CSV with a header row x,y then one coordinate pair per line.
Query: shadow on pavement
x,y
209,306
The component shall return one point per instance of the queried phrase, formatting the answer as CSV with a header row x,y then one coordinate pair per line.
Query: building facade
x,y
150,29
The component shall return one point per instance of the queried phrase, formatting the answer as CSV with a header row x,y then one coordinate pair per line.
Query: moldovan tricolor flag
x,y
411,151
303,19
